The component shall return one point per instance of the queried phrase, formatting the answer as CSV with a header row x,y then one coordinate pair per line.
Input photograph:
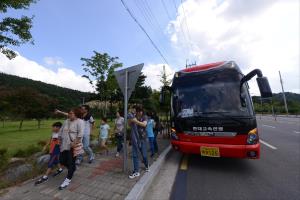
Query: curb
x,y
143,184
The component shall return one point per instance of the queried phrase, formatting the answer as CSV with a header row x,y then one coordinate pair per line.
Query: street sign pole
x,y
127,79
125,121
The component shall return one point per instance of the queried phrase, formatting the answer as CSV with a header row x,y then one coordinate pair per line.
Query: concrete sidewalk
x,y
103,179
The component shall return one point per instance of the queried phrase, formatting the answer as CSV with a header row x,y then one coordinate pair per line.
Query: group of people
x,y
69,140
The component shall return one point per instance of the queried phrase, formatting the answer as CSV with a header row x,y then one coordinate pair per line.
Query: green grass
x,y
13,139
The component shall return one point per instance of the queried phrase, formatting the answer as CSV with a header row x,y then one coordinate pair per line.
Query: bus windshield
x,y
210,99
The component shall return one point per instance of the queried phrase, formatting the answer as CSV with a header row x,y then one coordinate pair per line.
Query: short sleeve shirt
x,y
149,128
119,122
69,132
88,121
104,131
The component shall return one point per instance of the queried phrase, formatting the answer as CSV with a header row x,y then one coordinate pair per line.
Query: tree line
x,y
265,105
24,99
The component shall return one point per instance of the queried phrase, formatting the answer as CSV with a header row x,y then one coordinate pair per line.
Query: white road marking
x,y
267,144
268,126
296,131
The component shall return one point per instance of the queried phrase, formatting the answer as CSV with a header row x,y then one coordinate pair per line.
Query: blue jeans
x,y
86,147
155,144
119,143
151,144
135,155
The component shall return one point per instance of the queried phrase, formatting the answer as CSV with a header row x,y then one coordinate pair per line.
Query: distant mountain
x,y
66,97
278,97
289,96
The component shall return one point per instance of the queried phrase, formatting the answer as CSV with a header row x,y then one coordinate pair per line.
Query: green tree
x,y
100,68
164,79
141,93
27,103
14,31
166,82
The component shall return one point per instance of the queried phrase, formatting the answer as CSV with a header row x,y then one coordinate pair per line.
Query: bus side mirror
x,y
264,87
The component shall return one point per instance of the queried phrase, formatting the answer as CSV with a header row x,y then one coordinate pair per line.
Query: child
x,y
150,133
104,129
54,154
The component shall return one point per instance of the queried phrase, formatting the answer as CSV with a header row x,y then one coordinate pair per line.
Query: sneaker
x,y
58,171
65,184
77,162
41,180
117,154
134,174
147,169
91,159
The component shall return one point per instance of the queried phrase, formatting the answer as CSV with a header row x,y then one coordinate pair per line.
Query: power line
x,y
152,15
150,18
185,19
145,14
182,30
165,7
141,27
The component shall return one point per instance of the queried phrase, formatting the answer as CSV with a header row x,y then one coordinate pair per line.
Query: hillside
x,y
293,102
65,97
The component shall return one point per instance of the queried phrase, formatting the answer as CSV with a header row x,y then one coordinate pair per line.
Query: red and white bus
x,y
212,111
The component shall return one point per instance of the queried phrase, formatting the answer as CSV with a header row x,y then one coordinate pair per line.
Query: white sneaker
x,y
65,184
134,174
147,169
117,154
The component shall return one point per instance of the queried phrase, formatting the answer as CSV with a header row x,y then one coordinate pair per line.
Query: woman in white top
x,y
70,136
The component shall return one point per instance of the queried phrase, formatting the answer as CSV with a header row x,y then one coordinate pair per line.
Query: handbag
x,y
77,149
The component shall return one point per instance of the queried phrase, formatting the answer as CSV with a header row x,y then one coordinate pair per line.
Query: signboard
x,y
127,79
133,74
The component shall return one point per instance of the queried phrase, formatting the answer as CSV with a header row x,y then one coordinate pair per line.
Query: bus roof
x,y
204,67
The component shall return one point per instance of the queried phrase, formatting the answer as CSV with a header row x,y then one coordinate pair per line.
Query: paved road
x,y
275,176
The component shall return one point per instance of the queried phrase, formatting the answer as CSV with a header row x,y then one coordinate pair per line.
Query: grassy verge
x,y
14,140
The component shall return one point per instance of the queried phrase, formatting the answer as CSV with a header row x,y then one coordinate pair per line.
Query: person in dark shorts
x,y
54,154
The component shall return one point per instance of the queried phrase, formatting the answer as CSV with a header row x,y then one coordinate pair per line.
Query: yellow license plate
x,y
210,151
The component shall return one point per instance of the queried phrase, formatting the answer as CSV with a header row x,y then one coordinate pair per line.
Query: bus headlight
x,y
173,134
252,137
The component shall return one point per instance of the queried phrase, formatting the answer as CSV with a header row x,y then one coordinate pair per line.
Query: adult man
x,y
88,128
138,125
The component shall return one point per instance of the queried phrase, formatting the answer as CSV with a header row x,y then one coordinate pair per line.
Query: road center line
x,y
184,162
268,126
267,144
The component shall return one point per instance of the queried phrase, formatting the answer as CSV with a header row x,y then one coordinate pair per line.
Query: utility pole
x,y
83,99
283,94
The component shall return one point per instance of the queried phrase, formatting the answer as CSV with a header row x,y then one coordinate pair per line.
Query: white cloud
x,y
256,34
154,73
54,61
23,67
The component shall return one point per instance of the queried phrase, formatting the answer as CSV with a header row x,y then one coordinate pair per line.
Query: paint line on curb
x,y
144,183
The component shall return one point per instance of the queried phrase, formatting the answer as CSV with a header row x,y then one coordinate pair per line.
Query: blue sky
x,y
256,34
73,29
